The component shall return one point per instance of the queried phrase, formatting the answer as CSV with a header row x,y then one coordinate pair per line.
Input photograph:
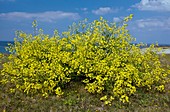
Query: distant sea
x,y
4,44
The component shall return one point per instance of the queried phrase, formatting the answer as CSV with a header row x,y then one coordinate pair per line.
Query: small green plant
x,y
100,54
1,55
3,59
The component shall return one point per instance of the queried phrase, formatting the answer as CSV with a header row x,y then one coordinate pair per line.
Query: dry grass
x,y
77,99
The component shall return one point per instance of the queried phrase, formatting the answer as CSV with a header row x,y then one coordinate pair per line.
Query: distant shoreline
x,y
4,44
163,47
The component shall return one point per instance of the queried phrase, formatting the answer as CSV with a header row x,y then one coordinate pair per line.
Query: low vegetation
x,y
91,67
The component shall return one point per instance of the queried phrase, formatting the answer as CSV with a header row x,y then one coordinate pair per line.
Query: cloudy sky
x,y
151,22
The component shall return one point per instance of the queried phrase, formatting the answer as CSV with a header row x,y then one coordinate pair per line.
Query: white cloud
x,y
48,16
117,19
153,24
104,10
84,9
153,5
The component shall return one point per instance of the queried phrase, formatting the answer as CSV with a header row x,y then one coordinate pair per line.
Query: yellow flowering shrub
x,y
35,64
100,54
105,56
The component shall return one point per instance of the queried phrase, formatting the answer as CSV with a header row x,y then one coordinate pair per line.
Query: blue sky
x,y
151,22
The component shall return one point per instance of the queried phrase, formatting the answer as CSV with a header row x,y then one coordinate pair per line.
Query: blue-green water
x,y
4,44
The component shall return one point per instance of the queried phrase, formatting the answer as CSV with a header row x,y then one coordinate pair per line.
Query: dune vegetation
x,y
91,67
